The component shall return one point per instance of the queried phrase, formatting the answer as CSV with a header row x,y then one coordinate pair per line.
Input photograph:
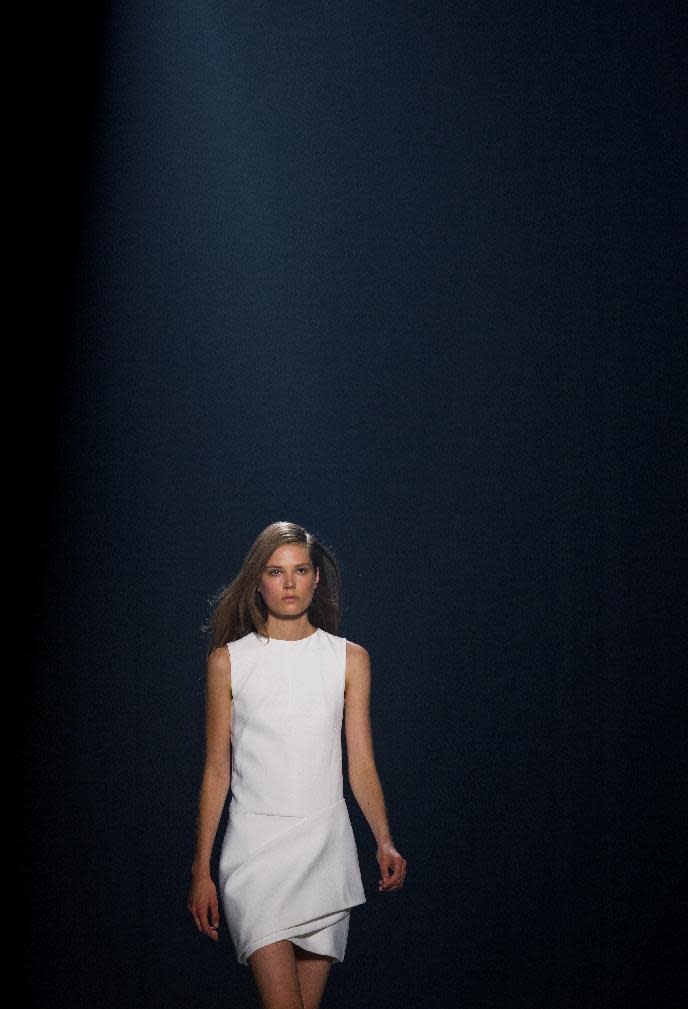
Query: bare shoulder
x,y
357,662
220,666
356,653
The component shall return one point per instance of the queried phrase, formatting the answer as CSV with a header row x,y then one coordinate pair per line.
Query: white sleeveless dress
x,y
288,864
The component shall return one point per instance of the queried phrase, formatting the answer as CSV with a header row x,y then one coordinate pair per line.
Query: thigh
x,y
314,970
276,977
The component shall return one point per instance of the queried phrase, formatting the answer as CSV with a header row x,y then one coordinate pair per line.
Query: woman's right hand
x,y
203,899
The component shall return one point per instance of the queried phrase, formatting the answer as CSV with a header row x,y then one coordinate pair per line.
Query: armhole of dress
x,y
231,676
344,670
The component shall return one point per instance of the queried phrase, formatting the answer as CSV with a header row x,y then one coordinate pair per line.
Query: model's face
x,y
288,580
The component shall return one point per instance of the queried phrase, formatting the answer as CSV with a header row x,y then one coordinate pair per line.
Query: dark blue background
x,y
406,274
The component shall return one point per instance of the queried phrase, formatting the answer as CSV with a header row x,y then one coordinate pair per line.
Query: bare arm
x,y
217,771
363,776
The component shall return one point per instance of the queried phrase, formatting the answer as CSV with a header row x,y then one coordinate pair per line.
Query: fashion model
x,y
280,682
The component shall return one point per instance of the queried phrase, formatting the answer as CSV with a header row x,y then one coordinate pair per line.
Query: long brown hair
x,y
238,608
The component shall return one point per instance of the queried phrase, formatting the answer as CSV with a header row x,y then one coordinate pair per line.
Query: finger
x,y
205,924
386,864
402,879
396,864
394,881
210,919
386,867
213,921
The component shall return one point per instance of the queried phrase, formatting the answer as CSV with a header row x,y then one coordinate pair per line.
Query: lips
x,y
288,599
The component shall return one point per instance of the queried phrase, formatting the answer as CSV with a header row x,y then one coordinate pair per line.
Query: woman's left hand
x,y
389,860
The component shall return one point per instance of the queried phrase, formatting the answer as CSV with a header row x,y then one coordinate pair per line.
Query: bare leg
x,y
314,970
276,977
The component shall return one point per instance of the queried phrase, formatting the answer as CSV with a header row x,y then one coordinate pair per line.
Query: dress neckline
x,y
293,641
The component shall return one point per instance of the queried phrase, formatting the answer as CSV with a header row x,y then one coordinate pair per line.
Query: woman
x,y
279,683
